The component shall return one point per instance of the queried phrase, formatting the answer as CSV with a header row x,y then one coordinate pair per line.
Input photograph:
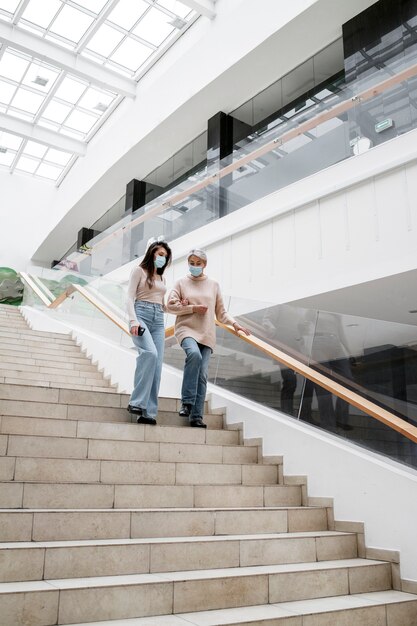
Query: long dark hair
x,y
147,262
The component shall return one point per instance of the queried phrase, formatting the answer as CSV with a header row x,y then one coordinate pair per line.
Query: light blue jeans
x,y
194,382
150,357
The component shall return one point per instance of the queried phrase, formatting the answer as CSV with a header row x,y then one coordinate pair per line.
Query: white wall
x,y
26,213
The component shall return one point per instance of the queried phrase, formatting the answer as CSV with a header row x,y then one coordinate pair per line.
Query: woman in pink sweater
x,y
196,300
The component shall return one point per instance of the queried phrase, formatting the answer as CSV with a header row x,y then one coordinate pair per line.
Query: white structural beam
x,y
47,137
60,57
205,7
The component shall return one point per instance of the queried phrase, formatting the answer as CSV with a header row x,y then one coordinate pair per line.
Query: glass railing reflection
x,y
373,358
340,123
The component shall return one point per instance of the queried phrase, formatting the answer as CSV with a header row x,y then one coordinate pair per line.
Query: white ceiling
x,y
65,65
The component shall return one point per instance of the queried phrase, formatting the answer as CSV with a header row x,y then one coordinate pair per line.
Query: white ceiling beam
x,y
73,63
205,7
42,135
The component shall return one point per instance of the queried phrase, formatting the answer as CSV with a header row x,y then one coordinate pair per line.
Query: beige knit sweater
x,y
197,290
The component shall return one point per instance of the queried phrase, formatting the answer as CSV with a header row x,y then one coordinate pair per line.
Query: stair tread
x,y
248,614
160,540
187,575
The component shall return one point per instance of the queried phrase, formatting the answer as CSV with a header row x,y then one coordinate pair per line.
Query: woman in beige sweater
x,y
196,300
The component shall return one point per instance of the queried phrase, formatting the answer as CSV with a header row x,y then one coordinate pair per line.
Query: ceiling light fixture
x,y
100,106
177,22
40,80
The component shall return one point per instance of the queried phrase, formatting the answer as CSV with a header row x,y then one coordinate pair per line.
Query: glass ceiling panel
x,y
7,140
56,111
34,149
105,40
9,5
95,100
80,121
40,75
27,164
176,7
126,13
49,96
71,24
70,90
131,54
57,156
6,158
27,101
41,12
49,171
6,92
154,27
13,66
91,5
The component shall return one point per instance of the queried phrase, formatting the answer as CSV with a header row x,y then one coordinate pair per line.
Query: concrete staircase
x,y
107,522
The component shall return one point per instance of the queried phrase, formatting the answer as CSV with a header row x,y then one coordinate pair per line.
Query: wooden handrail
x,y
308,125
35,288
349,396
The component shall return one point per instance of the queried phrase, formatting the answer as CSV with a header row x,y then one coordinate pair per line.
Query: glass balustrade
x,y
342,121
373,358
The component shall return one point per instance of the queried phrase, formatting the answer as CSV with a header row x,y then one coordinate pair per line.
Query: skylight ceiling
x,y
65,65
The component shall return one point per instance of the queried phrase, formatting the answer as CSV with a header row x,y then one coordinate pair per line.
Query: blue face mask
x,y
195,270
159,261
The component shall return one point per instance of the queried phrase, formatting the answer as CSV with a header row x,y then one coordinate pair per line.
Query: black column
x,y
135,195
85,235
223,132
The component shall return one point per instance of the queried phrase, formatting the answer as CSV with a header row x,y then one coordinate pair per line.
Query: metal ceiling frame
x,y
71,62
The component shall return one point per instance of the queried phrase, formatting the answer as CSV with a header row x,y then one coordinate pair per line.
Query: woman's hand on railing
x,y
238,328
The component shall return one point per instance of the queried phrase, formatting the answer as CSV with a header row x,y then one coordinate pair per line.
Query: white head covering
x,y
198,253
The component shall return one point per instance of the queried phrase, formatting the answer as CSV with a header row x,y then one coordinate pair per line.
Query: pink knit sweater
x,y
197,290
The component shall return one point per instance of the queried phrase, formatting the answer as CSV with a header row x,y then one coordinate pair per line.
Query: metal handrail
x,y
339,390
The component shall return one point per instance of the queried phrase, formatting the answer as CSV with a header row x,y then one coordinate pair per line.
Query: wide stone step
x,y
124,451
74,495
50,350
37,336
80,524
34,343
39,373
379,608
32,364
68,601
91,413
70,470
46,364
58,385
32,426
45,560
118,400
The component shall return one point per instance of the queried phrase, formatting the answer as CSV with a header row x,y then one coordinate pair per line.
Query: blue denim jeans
x,y
150,357
194,382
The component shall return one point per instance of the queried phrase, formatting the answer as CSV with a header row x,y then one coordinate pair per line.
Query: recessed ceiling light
x,y
178,23
40,80
100,106
3,150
